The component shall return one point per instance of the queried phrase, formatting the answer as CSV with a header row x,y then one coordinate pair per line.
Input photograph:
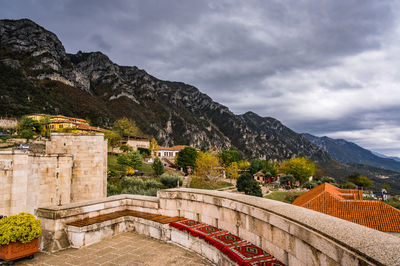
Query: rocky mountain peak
x,y
25,36
90,85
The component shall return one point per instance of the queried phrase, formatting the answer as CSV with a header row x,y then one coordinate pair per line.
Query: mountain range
x,y
349,152
385,156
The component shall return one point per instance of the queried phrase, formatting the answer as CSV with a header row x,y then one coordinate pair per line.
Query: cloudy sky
x,y
328,67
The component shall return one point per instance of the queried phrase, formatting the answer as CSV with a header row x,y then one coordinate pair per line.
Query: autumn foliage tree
x,y
153,147
207,164
232,171
127,128
300,168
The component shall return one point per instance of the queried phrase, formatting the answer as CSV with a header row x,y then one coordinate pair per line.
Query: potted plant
x,y
19,236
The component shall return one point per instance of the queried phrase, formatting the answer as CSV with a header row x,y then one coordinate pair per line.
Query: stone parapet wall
x,y
294,235
55,218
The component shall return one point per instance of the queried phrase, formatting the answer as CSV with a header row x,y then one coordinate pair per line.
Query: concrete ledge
x,y
73,209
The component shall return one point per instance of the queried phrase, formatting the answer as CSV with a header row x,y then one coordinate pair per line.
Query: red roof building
x,y
348,204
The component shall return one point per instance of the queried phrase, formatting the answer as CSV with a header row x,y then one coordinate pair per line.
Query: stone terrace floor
x,y
124,249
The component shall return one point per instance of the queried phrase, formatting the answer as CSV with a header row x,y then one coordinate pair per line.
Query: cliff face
x,y
37,75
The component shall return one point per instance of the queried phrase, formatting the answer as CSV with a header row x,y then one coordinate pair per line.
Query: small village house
x,y
263,178
169,152
60,122
136,142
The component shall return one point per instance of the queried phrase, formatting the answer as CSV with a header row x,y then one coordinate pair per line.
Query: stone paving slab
x,y
123,249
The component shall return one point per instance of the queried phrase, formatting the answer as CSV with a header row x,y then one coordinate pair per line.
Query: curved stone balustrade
x,y
55,218
294,235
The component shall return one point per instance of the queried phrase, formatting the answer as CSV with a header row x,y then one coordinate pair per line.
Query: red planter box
x,y
17,250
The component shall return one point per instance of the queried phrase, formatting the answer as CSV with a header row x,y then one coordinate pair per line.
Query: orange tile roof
x,y
349,205
89,128
174,148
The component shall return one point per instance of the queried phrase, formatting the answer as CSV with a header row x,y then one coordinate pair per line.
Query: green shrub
x,y
170,181
23,227
126,148
112,189
253,188
248,185
132,182
287,179
310,184
134,185
327,179
348,185
151,183
132,159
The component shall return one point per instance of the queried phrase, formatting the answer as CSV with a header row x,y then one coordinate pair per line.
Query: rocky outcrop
x,y
90,85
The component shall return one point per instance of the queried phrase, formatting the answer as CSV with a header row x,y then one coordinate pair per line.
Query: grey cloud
x,y
245,54
100,42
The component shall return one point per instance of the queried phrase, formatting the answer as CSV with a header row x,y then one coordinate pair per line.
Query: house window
x,y
61,126
52,126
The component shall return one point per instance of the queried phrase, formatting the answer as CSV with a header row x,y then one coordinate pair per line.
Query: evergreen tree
x,y
186,157
158,167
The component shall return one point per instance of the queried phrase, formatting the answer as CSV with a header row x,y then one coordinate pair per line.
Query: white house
x,y
169,152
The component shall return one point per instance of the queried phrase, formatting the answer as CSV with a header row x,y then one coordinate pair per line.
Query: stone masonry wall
x,y
31,180
89,174
74,168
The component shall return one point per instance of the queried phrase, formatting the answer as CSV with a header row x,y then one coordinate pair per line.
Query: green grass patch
x,y
283,196
394,203
146,169
202,183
